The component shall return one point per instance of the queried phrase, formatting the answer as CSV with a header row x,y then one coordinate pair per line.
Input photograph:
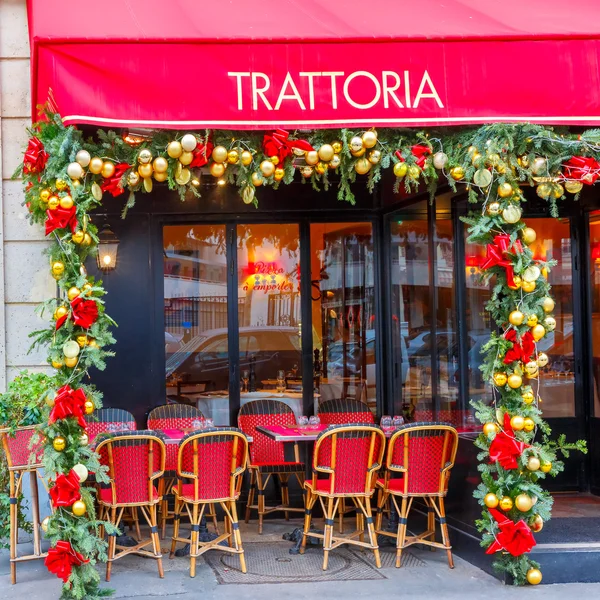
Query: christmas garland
x,y
67,176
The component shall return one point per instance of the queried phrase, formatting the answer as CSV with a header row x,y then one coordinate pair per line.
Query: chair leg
x,y
328,533
152,510
402,517
213,514
371,532
14,529
444,528
136,522
430,522
341,515
360,524
285,493
176,519
237,536
112,543
260,489
309,503
194,540
251,493
381,502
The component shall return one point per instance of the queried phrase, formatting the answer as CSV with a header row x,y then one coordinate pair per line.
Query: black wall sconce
x,y
108,247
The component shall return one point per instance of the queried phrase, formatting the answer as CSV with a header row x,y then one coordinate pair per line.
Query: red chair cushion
x,y
394,485
204,493
105,496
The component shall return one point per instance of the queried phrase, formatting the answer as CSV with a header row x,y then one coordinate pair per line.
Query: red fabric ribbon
x,y
111,184
68,403
202,154
85,312
495,256
60,322
420,152
61,218
65,490
35,158
62,558
582,168
278,144
505,449
521,350
515,538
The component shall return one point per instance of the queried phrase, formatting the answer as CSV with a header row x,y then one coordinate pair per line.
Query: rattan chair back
x,y
343,411
107,420
173,416
21,452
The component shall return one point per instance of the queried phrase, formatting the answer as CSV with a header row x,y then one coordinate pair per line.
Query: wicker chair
x,y
105,419
419,459
136,463
341,411
267,457
210,465
346,461
174,416
22,459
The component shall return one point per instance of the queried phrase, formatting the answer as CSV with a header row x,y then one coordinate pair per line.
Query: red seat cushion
x,y
394,485
204,493
323,486
105,496
279,467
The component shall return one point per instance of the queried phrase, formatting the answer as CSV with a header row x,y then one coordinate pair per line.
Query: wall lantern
x,y
108,246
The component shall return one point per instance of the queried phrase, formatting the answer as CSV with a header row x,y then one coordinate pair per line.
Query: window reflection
x,y
594,262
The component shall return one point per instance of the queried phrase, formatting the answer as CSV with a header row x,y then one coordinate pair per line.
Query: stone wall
x,y
24,273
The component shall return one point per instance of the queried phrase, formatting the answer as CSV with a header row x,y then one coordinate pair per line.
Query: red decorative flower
x,y
65,490
84,312
62,558
505,449
515,538
60,219
68,403
112,184
202,154
35,157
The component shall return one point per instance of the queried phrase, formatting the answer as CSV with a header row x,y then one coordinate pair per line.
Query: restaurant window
x,y
343,311
595,304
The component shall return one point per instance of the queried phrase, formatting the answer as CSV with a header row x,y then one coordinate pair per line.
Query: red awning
x,y
316,63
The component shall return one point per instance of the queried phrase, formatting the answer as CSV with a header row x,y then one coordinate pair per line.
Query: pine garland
x,y
62,168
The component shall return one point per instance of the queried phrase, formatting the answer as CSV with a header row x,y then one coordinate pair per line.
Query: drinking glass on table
x,y
197,424
386,422
208,423
245,379
302,421
280,382
398,421
314,421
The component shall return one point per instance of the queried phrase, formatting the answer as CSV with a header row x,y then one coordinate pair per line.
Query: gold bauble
x,y
538,166
233,157
471,150
189,142
533,464
529,235
532,320
482,178
145,156
59,443
534,576
476,160
306,171
493,208
257,179
374,156
45,195
515,381
523,161
73,293
160,177
548,304
511,214
326,152
44,524
186,158
246,158
528,397
61,185
133,179
542,359
174,149
57,364
248,194
75,170
320,167
528,286
362,166
550,323
529,424
58,268
531,367
544,190
516,318
160,164
96,165
532,273
356,144
557,190
183,177
440,159
490,428
414,171
517,422
93,344
86,289
546,467
71,362
505,190
523,502
400,169
82,472
491,500
517,283
217,169
87,239
53,202
573,187
312,158
78,508
88,407
66,202
337,146
536,524
335,162
81,340
83,158
506,503
493,159
60,312
457,173
108,169
84,440
267,168
500,379
279,174
369,139
145,170
219,154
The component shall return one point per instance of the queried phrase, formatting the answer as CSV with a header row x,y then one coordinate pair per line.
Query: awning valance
x,y
239,64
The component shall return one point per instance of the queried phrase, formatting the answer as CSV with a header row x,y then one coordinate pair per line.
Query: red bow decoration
x,y
65,490
35,158
505,449
495,252
582,168
278,144
515,538
520,351
85,312
111,184
62,558
68,403
202,154
60,322
419,151
61,218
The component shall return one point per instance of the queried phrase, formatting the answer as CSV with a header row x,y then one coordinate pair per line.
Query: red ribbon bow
x,y
520,351
582,168
61,218
62,558
111,184
85,312
60,322
65,490
202,154
515,538
35,157
68,403
278,144
419,151
495,256
505,449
